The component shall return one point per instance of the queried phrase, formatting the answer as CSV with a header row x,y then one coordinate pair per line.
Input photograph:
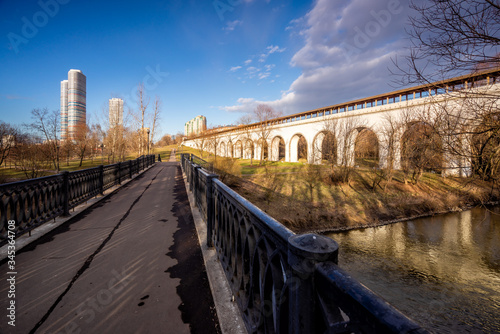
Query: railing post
x,y
130,169
119,172
304,252
210,208
194,178
101,179
65,190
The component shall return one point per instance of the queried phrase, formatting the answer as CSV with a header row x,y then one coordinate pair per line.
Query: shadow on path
x,y
194,290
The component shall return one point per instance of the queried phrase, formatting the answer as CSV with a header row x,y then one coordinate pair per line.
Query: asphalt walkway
x,y
130,264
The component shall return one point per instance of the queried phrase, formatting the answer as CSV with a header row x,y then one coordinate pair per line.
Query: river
x,y
442,271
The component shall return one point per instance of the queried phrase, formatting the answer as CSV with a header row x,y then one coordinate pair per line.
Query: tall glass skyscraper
x,y
73,104
64,109
115,112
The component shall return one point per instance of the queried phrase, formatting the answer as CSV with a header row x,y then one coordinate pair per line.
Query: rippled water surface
x,y
443,272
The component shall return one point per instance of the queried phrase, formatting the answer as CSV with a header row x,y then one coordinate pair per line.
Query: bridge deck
x,y
131,264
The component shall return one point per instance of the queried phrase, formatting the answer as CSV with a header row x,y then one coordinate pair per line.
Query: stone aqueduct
x,y
283,133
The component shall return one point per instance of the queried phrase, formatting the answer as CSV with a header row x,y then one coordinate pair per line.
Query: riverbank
x,y
312,203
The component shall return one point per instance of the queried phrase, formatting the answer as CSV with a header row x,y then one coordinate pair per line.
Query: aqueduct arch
x,y
222,149
298,148
238,149
421,148
278,149
324,148
249,149
366,148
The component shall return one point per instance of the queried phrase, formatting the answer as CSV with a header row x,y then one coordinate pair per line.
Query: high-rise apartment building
x,y
64,109
115,112
195,126
73,103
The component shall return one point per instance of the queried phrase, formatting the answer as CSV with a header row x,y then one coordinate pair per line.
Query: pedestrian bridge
x,y
131,263
387,121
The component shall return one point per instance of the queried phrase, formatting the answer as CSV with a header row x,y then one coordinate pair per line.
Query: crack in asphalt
x,y
89,260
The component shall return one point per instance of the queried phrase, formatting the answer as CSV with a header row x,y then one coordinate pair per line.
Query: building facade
x,y
64,110
115,112
73,104
195,126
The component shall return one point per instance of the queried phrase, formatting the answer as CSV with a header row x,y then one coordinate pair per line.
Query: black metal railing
x,y
33,202
283,282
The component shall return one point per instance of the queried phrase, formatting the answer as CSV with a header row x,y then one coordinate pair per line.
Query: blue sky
x,y
217,58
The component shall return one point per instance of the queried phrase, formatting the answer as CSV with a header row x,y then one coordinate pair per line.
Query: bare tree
x,y
264,115
166,140
143,103
421,144
156,117
201,144
96,137
32,157
245,133
67,150
46,125
179,137
8,137
81,141
115,142
344,132
214,140
452,37
390,144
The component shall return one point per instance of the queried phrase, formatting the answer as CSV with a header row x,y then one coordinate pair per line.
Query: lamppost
x,y
148,139
57,156
101,146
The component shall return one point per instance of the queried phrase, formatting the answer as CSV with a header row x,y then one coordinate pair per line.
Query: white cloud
x,y
231,25
273,49
264,75
269,67
270,50
264,69
348,46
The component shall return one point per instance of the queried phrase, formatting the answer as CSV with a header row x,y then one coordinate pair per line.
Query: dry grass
x,y
307,198
305,204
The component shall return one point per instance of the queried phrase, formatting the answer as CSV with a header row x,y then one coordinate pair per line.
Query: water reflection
x,y
444,272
